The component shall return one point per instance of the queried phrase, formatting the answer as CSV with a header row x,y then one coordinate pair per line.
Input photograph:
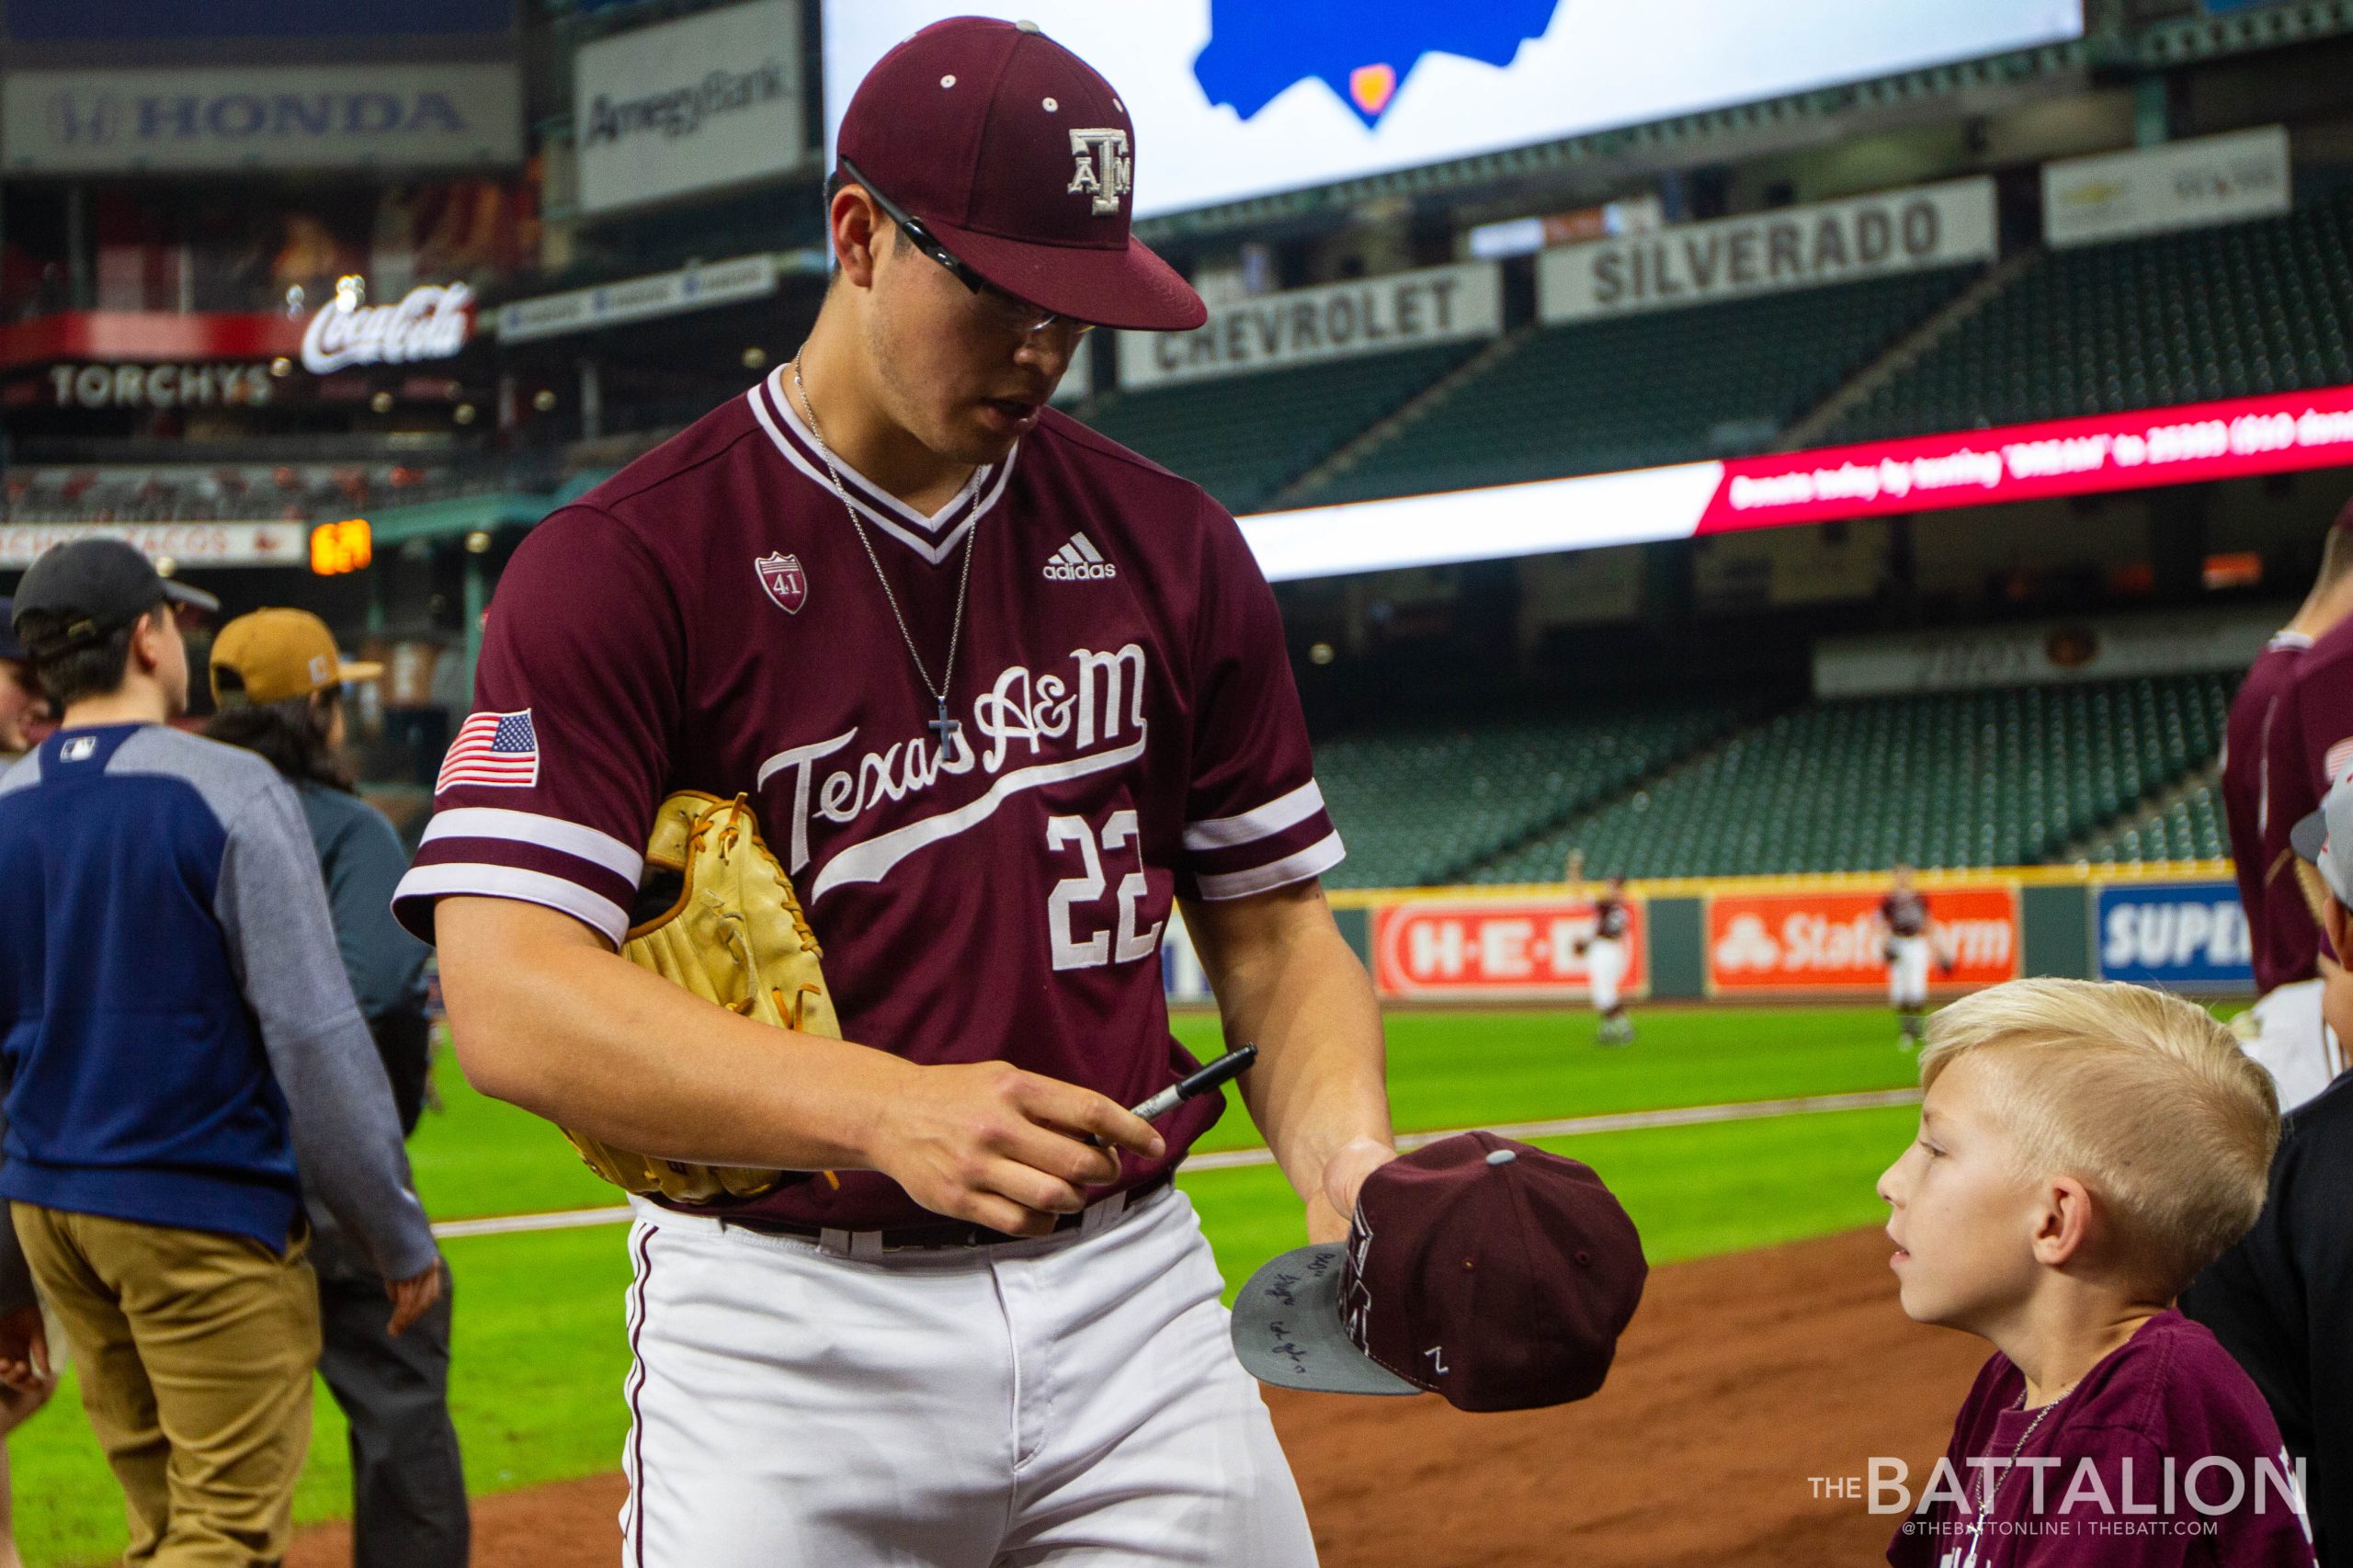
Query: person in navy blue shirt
x,y
184,1065
278,683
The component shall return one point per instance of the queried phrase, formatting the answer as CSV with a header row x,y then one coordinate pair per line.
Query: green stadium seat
x,y
1715,381
1952,779
1244,437
1428,804
2230,312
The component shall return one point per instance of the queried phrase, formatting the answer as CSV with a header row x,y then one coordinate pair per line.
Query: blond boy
x,y
2083,1150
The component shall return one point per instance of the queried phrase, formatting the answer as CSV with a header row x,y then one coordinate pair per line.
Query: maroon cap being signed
x,y
1020,160
1485,1270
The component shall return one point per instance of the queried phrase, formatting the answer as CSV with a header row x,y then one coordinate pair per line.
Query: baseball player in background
x,y
1906,939
1605,960
2280,1299
1001,694
2270,781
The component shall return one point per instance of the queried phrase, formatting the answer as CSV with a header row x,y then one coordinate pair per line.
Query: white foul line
x,y
1239,1159
1618,1121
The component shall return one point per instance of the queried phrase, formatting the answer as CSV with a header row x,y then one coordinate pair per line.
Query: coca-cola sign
x,y
432,323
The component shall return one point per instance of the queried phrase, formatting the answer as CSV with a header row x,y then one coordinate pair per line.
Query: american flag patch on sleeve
x,y
492,748
2340,757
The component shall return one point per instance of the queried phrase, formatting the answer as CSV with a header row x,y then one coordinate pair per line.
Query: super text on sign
x,y
2183,936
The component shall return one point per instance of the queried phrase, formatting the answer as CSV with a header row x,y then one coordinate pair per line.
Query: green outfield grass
x,y
539,1355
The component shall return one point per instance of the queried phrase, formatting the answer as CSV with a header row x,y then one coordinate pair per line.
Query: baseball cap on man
x,y
1017,157
1476,1268
103,584
2323,839
274,654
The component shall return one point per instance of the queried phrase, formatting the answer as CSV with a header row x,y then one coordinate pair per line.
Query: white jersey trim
x,y
1312,862
885,511
547,832
872,860
1265,822
597,912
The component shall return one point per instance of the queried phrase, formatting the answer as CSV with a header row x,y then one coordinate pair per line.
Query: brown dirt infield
x,y
1742,1378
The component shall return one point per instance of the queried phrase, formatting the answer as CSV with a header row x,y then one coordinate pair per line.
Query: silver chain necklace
x,y
943,727
1990,1492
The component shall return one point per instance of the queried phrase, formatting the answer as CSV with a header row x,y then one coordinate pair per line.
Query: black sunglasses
x,y
1019,314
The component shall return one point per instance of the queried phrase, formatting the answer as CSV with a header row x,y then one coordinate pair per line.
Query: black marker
x,y
1200,1081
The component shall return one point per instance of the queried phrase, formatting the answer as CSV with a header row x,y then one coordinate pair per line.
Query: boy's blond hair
x,y
2140,1095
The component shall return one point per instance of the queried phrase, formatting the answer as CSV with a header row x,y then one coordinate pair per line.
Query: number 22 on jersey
x,y
1071,950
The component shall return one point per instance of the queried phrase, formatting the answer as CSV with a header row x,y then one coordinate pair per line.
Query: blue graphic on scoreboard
x,y
1362,50
2182,935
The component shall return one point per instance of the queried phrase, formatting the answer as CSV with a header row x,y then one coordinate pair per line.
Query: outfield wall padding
x,y
1355,926
1678,949
2056,938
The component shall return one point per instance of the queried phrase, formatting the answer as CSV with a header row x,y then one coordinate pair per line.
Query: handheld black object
x,y
1200,1081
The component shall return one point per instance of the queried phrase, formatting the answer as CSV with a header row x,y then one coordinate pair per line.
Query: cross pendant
x,y
945,728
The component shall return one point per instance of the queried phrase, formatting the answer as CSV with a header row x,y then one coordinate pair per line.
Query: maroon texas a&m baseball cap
x,y
1020,160
1485,1270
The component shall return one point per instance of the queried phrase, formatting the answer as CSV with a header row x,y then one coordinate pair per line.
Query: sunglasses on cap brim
x,y
924,240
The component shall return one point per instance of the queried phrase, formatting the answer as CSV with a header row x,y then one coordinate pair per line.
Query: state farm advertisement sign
x,y
1828,943
1496,947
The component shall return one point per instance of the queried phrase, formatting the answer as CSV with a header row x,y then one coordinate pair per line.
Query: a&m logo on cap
x,y
1104,169
785,582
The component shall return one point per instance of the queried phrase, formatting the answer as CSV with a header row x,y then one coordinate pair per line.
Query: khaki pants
x,y
196,1351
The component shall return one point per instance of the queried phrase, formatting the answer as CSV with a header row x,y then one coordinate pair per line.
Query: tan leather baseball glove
x,y
718,915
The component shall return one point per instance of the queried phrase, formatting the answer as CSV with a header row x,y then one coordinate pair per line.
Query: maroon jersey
x,y
1906,914
2281,930
1610,918
1131,734
2312,746
2170,1395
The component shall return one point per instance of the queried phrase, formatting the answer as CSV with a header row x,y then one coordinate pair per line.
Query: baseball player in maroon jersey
x,y
2265,789
1906,937
1605,957
1001,693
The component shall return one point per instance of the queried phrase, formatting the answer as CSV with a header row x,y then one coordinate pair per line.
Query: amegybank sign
x,y
712,100
1337,320
1793,247
259,117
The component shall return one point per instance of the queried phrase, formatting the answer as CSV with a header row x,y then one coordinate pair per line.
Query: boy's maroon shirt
x,y
2169,1392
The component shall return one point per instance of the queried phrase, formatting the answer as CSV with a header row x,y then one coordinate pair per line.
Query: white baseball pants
x,y
2294,1043
1073,1401
1907,971
1605,965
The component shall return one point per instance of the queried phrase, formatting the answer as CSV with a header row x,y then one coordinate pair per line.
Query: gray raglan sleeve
x,y
273,909
363,870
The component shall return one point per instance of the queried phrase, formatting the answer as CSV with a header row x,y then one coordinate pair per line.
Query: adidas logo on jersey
x,y
1078,561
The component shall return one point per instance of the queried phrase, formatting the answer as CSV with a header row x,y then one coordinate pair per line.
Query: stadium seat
x,y
1425,806
2249,308
1951,780
1715,380
1244,437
